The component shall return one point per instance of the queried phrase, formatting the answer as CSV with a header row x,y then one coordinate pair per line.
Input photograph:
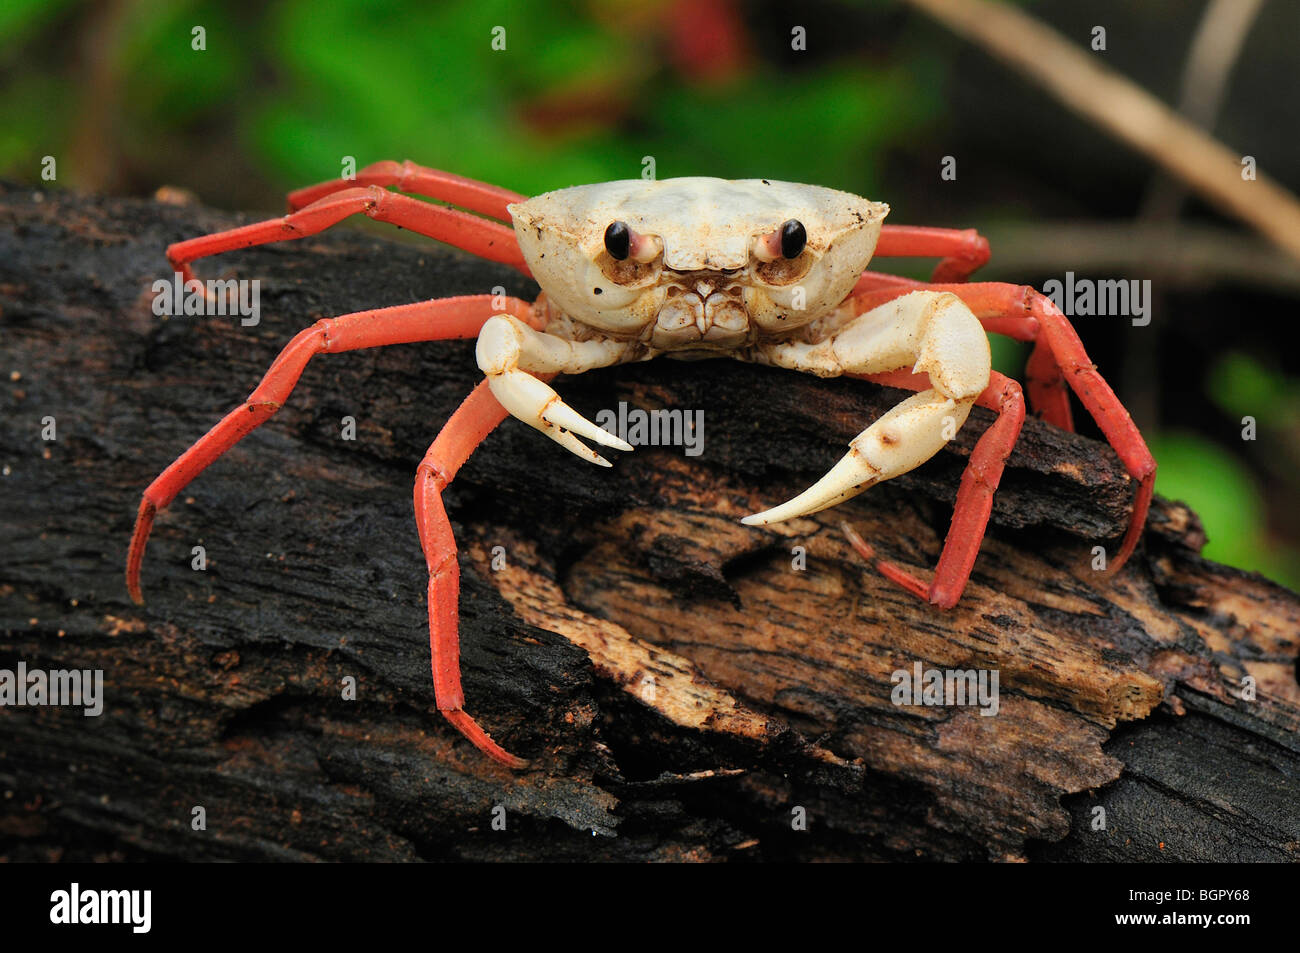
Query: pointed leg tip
x,y
1116,565
135,553
133,584
498,754
471,729
1112,571
860,545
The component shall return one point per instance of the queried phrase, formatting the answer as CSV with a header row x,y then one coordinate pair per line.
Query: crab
x,y
763,271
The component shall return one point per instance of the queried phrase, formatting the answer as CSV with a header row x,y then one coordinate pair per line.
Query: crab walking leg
x,y
933,334
469,194
962,251
473,420
1093,392
511,353
979,481
1048,393
1057,345
478,236
440,319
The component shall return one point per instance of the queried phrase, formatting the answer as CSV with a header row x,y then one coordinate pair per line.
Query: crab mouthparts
x,y
705,309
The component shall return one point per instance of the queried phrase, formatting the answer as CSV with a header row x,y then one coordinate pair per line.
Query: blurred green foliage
x,y
1265,405
582,93
313,82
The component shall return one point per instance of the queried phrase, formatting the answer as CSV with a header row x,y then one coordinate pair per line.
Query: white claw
x,y
536,404
567,440
506,343
899,441
846,479
562,415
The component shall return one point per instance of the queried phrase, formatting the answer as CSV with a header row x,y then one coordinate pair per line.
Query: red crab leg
x,y
1048,394
1034,314
440,319
476,235
468,426
970,514
961,251
418,180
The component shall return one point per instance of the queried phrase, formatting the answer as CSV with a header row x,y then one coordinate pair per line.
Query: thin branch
x,y
1214,51
1126,111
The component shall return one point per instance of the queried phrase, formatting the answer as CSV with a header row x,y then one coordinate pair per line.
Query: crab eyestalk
x,y
623,243
788,240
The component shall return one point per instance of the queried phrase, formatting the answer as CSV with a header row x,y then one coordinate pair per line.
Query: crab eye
x,y
793,239
780,254
630,258
618,241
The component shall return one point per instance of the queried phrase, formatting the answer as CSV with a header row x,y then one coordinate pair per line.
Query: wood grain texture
x,y
769,685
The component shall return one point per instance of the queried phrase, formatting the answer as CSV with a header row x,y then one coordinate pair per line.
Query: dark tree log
x,y
771,685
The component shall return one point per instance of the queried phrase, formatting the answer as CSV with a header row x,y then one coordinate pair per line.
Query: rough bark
x,y
771,684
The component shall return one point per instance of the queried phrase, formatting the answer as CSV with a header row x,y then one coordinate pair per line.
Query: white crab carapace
x,y
756,270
